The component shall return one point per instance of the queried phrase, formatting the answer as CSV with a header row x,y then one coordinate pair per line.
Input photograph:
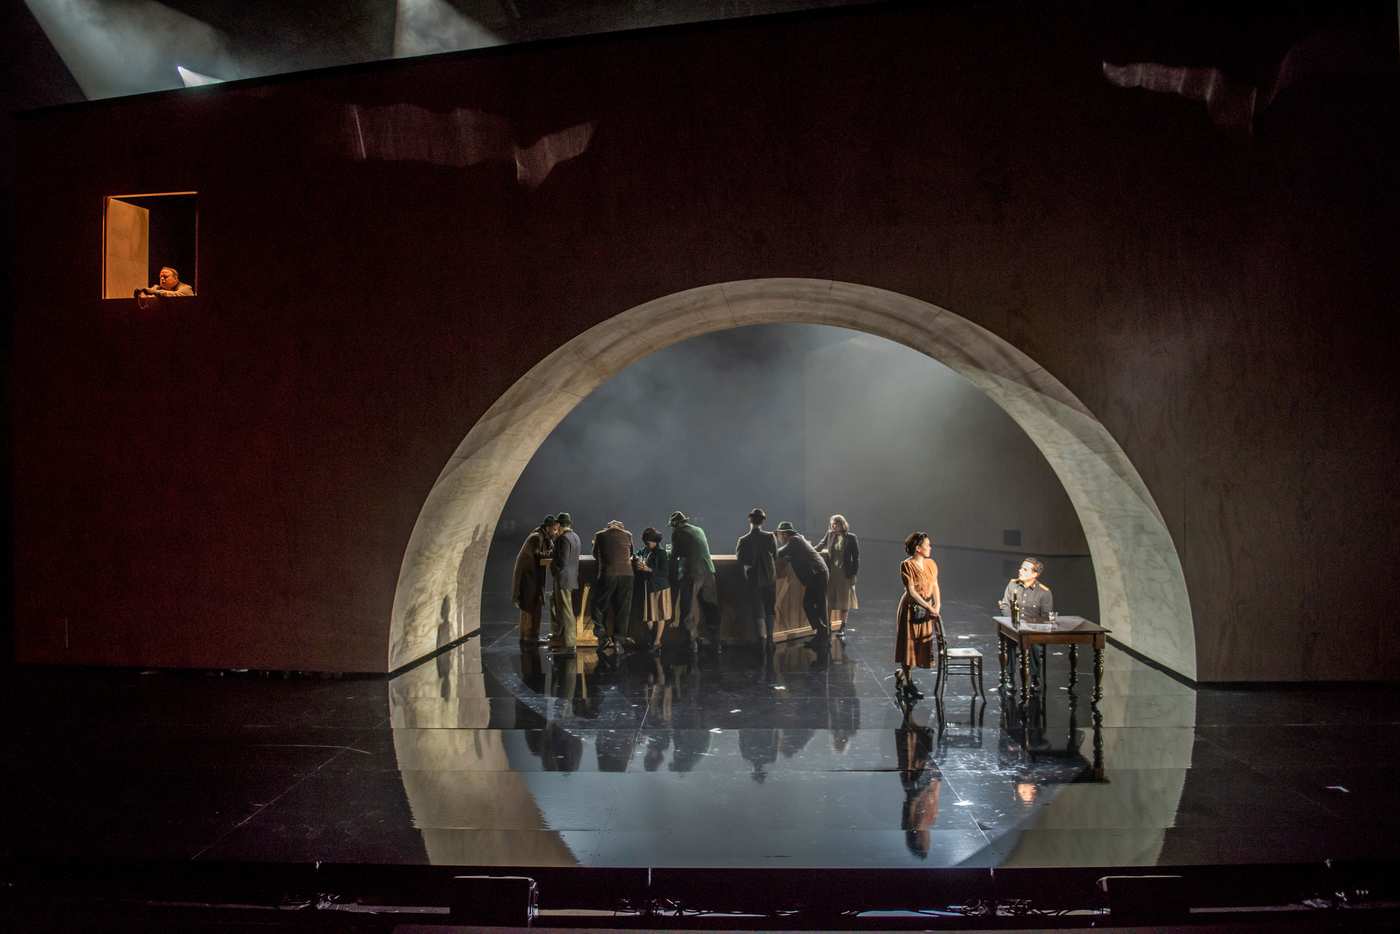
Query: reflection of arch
x,y
1142,593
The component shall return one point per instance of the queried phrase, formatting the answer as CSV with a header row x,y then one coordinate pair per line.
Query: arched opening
x,y
1141,590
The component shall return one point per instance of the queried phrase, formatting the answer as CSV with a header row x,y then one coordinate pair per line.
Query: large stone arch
x,y
1142,592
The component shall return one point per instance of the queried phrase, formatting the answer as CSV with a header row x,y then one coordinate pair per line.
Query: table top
x,y
1065,624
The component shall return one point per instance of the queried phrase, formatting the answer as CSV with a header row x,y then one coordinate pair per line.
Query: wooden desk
x,y
1073,631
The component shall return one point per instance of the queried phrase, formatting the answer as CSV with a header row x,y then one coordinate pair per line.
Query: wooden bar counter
x,y
736,624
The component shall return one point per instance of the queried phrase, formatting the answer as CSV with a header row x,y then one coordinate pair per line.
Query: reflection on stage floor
x,y
494,755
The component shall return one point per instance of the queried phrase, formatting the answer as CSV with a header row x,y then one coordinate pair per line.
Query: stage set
x,y
801,776
299,359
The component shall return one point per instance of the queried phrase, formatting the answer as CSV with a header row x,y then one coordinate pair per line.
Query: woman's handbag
x,y
921,615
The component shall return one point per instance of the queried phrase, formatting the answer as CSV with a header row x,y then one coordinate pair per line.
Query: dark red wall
x,y
231,481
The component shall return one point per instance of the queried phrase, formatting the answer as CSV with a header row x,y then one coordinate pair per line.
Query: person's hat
x,y
548,520
785,526
564,519
757,514
678,517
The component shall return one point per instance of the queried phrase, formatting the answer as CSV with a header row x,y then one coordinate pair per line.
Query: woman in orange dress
x,y
913,638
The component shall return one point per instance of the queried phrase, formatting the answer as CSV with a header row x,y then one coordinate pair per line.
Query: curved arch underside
x,y
1142,592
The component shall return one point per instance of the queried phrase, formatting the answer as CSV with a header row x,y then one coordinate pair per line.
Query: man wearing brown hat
x,y
811,571
612,549
757,551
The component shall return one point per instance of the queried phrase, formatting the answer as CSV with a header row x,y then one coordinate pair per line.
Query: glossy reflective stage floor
x,y
487,755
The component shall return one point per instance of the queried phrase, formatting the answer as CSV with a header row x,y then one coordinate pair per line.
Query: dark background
x,y
233,483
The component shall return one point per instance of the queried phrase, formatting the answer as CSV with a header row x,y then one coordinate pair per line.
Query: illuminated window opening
x,y
143,233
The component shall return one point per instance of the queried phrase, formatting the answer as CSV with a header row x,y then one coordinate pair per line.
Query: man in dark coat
x,y
757,551
612,548
811,571
694,577
564,574
527,580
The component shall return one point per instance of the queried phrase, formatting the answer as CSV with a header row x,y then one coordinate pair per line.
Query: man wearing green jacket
x,y
694,576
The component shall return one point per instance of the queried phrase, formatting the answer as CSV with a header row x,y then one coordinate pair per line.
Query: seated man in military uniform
x,y
1028,601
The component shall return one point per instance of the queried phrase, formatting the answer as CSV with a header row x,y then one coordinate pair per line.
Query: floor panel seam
x,y
245,821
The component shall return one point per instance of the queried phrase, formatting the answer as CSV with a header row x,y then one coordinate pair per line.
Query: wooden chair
x,y
968,659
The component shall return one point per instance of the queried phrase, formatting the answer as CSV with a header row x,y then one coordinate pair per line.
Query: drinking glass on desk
x,y
1053,617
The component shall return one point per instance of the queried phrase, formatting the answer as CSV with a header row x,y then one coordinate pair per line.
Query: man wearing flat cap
x,y
811,571
757,551
695,578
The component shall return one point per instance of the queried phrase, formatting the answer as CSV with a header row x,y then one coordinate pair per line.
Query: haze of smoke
x,y
805,421
425,27
128,48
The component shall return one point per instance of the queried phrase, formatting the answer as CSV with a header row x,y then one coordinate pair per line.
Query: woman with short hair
x,y
652,563
914,620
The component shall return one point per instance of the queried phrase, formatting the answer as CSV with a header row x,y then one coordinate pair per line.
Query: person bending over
x,y
528,580
612,548
694,577
811,572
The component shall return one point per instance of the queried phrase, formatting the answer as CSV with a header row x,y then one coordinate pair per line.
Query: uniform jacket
x,y
1032,603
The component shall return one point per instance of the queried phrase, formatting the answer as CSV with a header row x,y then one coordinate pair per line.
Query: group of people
x,y
678,583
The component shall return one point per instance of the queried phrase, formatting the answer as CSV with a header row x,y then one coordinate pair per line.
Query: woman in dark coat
x,y
842,553
653,565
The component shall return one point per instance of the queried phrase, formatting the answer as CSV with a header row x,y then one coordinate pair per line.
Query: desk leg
x,y
1023,653
1098,674
1073,665
1001,656
1098,745
1070,748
